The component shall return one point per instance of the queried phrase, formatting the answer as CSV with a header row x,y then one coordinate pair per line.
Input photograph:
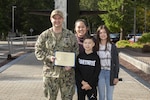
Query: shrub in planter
x,y
126,43
122,43
136,45
145,38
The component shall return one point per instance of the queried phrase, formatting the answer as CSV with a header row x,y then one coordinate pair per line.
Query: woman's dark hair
x,y
82,20
98,40
85,23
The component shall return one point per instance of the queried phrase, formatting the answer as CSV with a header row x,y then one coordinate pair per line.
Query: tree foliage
x,y
120,16
88,4
115,16
5,15
93,20
23,19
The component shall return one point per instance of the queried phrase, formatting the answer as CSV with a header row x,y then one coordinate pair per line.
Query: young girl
x,y
109,63
87,70
81,31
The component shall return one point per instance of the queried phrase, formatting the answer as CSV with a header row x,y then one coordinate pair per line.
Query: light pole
x,y
134,26
145,19
13,9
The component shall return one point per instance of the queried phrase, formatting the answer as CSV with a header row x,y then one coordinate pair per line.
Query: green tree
x,y
118,18
143,15
5,15
88,4
93,20
23,19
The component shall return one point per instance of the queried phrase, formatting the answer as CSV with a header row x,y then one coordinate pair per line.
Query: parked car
x,y
129,36
134,39
114,37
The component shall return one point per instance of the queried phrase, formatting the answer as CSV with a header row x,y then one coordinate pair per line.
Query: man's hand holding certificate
x,y
65,59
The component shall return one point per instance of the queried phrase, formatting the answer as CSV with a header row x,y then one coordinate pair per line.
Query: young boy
x,y
87,70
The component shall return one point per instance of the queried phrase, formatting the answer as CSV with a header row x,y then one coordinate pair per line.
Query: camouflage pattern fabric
x,y
65,83
56,77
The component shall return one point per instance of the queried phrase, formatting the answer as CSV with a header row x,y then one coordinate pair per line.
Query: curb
x,y
139,64
12,62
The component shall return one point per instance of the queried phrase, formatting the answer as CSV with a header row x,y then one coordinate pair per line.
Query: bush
x,y
136,45
122,43
126,43
145,38
143,44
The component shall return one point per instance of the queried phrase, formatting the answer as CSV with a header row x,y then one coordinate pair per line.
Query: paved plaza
x,y
21,79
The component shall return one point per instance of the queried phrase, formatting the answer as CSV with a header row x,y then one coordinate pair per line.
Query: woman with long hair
x,y
108,55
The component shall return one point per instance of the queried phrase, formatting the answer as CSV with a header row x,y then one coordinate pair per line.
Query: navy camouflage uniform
x,y
56,77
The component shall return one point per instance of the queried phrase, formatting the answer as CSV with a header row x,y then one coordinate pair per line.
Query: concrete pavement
x,y
21,79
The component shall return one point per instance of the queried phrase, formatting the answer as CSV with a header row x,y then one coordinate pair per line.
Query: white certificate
x,y
65,59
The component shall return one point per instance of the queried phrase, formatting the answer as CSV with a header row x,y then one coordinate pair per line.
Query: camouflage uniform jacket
x,y
47,44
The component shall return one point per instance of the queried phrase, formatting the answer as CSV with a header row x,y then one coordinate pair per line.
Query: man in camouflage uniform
x,y
51,40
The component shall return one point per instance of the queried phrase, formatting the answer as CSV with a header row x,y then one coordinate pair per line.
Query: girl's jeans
x,y
105,90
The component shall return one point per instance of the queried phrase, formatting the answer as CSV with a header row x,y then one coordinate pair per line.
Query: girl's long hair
x,y
98,40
